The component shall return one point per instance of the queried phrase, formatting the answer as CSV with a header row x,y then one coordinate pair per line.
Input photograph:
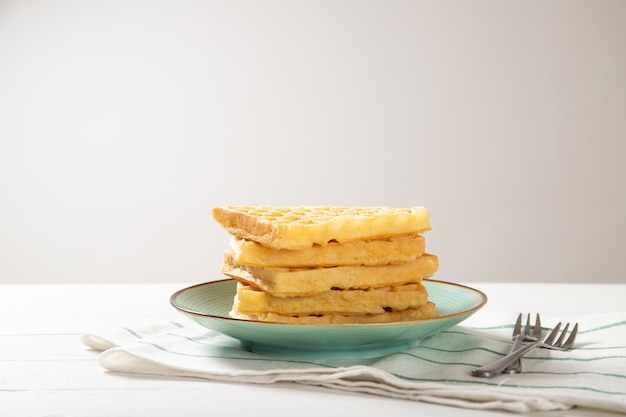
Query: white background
x,y
122,123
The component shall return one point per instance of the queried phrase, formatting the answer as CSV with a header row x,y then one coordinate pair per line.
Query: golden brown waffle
x,y
360,252
288,282
427,311
250,300
300,227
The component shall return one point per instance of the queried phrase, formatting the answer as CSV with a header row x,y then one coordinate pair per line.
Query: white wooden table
x,y
46,371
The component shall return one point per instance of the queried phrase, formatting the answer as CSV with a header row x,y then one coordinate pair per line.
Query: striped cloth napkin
x,y
437,369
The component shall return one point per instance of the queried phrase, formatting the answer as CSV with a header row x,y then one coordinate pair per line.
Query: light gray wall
x,y
123,122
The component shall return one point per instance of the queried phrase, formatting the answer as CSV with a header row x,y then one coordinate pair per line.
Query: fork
x,y
529,335
495,368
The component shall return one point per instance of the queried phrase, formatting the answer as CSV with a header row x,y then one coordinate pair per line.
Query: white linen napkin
x,y
437,369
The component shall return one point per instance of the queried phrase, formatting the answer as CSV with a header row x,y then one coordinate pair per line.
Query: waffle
x,y
288,282
250,300
427,311
391,250
301,227
328,265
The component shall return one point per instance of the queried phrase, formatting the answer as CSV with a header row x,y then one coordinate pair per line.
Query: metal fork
x,y
530,334
498,366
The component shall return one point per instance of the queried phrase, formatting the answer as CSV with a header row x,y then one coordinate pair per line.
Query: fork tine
x,y
553,334
517,329
572,336
527,327
537,330
559,342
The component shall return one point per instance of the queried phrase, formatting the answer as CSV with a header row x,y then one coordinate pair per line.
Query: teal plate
x,y
210,303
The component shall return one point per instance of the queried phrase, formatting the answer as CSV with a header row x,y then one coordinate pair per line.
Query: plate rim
x,y
482,296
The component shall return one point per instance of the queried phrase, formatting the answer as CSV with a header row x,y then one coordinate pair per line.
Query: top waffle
x,y
301,227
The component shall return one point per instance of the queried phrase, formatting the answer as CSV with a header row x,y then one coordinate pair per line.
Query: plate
x,y
209,304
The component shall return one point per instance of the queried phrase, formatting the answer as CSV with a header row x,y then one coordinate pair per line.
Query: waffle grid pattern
x,y
314,214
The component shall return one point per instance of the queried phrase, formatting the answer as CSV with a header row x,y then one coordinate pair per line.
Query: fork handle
x,y
495,368
516,366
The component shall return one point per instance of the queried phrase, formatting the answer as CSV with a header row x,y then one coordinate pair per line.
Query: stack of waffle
x,y
328,265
